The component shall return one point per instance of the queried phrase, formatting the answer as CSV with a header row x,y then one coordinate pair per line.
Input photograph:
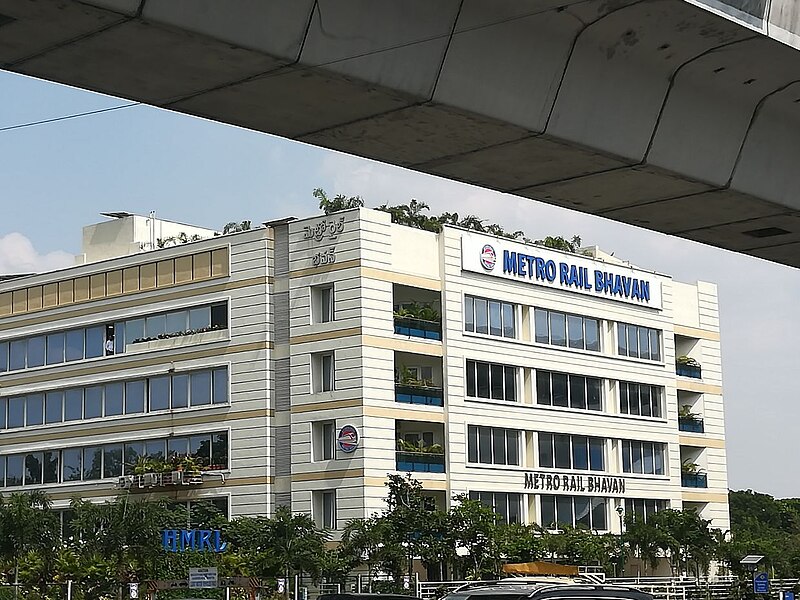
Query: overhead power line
x,y
67,117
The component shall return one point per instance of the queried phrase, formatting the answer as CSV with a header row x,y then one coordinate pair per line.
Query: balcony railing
x,y
688,371
420,462
691,425
168,479
694,480
428,330
419,394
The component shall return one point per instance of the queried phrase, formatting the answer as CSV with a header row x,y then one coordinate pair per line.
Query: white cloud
x,y
17,255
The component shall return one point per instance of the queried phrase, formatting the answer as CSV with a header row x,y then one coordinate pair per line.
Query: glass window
x,y
34,468
19,351
92,463
469,314
658,466
200,448
594,394
93,402
36,351
511,383
177,321
95,341
583,511
562,451
497,377
72,466
512,447
155,325
219,450
485,445
15,466
200,383
51,467
112,460
644,345
327,372
564,514
580,452
542,326
3,408
577,391
53,407
113,399
73,404
633,341
647,457
133,452
34,409
200,318
3,357
16,412
220,386
155,449
592,332
470,372
596,454
622,340
481,316
55,348
548,511
558,329
495,318
159,393
543,388
636,457
559,389
120,335
509,329
599,514
482,376
655,345
472,444
180,391
134,330
626,457
575,331
134,396
546,450
623,398
177,447
644,400
329,510
219,316
75,340
498,447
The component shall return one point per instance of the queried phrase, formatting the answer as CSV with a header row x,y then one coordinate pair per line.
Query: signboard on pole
x,y
761,583
203,577
787,595
133,590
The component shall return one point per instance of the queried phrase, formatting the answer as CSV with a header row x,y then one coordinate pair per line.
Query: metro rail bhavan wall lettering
x,y
541,266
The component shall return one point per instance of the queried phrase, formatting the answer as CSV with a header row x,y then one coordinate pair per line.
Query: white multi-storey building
x,y
302,362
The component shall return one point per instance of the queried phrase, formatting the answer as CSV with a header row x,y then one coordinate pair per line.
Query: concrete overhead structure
x,y
682,117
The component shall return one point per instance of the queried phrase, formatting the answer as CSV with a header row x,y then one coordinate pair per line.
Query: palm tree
x,y
296,543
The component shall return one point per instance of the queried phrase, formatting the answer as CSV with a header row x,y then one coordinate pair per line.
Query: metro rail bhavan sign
x,y
537,265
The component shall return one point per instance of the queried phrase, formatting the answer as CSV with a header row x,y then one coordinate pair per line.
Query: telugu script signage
x,y
326,230
537,265
569,483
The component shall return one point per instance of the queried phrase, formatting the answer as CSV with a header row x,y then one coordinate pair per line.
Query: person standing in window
x,y
109,344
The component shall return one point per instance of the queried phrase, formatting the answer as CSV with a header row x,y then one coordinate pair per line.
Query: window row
x,y
561,329
507,505
643,457
490,316
643,508
573,391
490,380
640,399
198,388
579,452
110,460
493,445
638,342
574,511
102,340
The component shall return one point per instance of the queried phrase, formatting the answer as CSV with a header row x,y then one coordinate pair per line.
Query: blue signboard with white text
x,y
761,583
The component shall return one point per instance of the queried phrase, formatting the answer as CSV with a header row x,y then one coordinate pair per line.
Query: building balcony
x,y
418,328
693,371
419,394
420,462
691,425
694,480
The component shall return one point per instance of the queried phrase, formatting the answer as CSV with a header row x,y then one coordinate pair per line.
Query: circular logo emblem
x,y
488,257
348,439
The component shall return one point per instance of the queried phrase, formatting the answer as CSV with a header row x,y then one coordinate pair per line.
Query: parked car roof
x,y
545,588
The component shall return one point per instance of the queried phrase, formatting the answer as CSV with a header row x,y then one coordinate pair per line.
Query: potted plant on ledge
x,y
686,366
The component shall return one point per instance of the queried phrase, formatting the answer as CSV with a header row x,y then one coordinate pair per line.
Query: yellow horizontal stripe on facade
x,y
347,264
141,426
431,416
700,440
115,366
403,345
325,475
315,406
704,497
185,493
325,335
696,332
91,307
401,278
697,386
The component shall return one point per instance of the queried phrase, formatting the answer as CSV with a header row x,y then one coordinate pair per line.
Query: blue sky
x,y
60,176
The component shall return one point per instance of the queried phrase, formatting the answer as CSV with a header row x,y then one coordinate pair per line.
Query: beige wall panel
x,y
130,280
5,304
66,292
97,286
50,295
113,283
219,262
165,273
81,289
201,268
147,276
35,298
20,301
183,269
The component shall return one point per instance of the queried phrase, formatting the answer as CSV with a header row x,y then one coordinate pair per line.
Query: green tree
x,y
560,243
476,527
297,544
234,227
644,539
371,542
337,203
